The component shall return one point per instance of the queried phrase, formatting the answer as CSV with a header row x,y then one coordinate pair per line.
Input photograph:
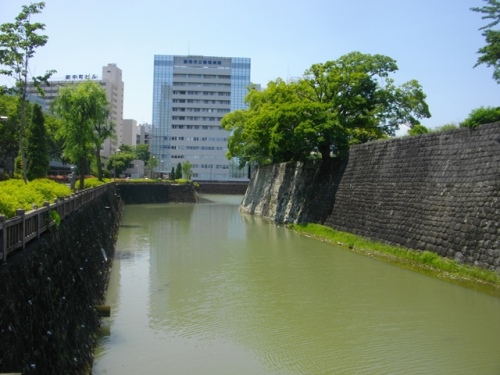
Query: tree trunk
x,y
82,169
324,151
99,166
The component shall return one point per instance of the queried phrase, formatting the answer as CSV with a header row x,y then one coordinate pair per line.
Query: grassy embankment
x,y
420,261
15,194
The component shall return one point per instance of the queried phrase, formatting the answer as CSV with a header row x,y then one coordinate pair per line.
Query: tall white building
x,y
110,80
129,136
191,94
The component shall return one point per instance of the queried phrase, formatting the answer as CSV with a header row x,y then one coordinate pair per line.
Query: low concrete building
x,y
135,169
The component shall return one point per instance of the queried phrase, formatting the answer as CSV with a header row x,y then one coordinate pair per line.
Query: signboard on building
x,y
81,77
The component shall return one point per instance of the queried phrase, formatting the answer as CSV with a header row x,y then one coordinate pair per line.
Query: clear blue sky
x,y
433,41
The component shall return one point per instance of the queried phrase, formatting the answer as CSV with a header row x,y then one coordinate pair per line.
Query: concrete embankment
x,y
48,320
153,192
438,192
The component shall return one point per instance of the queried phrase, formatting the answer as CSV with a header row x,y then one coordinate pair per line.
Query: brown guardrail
x,y
17,231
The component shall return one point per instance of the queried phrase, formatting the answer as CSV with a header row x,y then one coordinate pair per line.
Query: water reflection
x,y
205,290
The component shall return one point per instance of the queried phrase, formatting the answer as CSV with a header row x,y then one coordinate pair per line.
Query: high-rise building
x,y
143,135
129,132
111,81
191,94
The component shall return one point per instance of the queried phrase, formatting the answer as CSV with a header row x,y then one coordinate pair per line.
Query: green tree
x,y
103,128
119,162
127,148
178,171
336,104
84,111
18,42
37,150
55,143
142,152
172,174
9,145
490,53
151,164
480,116
187,170
418,129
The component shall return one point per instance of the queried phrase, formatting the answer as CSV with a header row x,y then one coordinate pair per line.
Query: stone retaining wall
x,y
437,192
232,188
48,322
142,193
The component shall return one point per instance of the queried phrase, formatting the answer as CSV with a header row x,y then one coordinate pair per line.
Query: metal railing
x,y
17,231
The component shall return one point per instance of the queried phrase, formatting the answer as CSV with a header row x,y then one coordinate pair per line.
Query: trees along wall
x,y
335,104
18,43
84,111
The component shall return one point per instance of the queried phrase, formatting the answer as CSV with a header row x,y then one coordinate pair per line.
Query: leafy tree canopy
x,y
480,116
84,111
142,152
490,53
37,150
18,43
178,171
417,130
119,162
9,145
187,170
336,104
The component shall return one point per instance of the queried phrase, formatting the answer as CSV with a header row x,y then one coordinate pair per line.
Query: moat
x,y
204,289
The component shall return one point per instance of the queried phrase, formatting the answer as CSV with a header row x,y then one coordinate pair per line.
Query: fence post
x,y
3,239
20,213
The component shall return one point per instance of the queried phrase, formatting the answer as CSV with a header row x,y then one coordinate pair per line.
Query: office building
x,y
110,80
143,135
191,94
129,132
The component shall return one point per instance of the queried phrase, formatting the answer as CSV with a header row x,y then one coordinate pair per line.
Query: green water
x,y
203,289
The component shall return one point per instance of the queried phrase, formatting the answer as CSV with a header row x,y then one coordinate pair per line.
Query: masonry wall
x,y
48,321
142,193
438,192
232,188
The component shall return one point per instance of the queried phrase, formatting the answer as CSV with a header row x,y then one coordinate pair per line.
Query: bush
x,y
417,130
445,128
480,116
15,194
93,182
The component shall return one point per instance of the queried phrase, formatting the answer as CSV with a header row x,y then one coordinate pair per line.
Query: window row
x,y
211,166
203,139
208,110
198,101
204,148
202,76
202,84
204,127
206,93
196,157
196,118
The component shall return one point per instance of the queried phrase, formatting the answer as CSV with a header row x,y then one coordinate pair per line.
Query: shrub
x,y
15,194
480,116
417,130
93,182
445,128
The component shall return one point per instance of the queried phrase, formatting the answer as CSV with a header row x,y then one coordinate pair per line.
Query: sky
x,y
432,41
